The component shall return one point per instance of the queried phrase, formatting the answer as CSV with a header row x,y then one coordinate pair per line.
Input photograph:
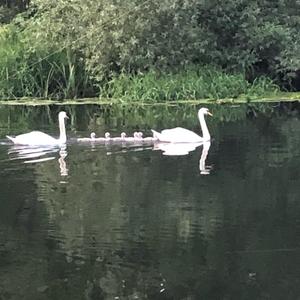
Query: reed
x,y
190,84
24,71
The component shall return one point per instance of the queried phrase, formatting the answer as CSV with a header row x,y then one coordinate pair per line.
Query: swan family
x,y
173,135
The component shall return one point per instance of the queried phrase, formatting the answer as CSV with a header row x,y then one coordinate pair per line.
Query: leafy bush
x,y
71,48
132,36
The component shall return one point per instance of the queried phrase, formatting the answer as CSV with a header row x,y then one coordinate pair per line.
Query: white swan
x,y
131,139
140,138
123,136
119,138
136,136
150,139
182,135
90,139
41,138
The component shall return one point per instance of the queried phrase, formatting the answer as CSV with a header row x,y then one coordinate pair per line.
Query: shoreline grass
x,y
280,97
62,76
195,82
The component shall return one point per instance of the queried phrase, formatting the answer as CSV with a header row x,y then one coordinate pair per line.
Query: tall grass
x,y
192,84
25,73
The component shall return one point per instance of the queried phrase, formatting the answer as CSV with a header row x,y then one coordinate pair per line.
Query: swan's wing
x,y
34,138
180,135
169,135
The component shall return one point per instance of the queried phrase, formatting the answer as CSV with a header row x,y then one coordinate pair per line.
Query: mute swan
x,y
138,136
107,136
182,135
105,139
93,136
131,138
41,138
90,139
123,135
146,139
149,139
121,138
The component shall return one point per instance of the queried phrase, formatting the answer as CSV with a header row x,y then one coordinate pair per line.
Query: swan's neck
x,y
62,131
205,132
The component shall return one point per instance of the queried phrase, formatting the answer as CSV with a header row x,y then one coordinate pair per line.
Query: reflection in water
x,y
175,149
143,226
204,170
29,153
168,149
62,163
38,154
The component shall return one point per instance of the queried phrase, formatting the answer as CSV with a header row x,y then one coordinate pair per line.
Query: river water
x,y
96,221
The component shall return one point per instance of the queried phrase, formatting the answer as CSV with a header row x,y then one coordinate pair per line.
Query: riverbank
x,y
173,54
280,97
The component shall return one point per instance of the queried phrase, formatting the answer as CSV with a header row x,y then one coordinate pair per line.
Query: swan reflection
x,y
29,153
62,163
38,154
204,170
176,149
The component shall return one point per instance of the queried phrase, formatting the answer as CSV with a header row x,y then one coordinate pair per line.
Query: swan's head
x,y
136,135
204,111
93,135
107,135
62,115
140,135
123,135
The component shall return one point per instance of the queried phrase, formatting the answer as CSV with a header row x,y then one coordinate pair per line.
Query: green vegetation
x,y
10,8
191,84
149,51
29,72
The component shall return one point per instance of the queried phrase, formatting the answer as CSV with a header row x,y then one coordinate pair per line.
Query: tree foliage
x,y
255,37
113,36
9,8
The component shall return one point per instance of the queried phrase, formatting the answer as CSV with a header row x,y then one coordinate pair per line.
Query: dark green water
x,y
103,222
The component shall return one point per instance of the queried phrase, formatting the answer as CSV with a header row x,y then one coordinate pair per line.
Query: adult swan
x,y
182,135
39,138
